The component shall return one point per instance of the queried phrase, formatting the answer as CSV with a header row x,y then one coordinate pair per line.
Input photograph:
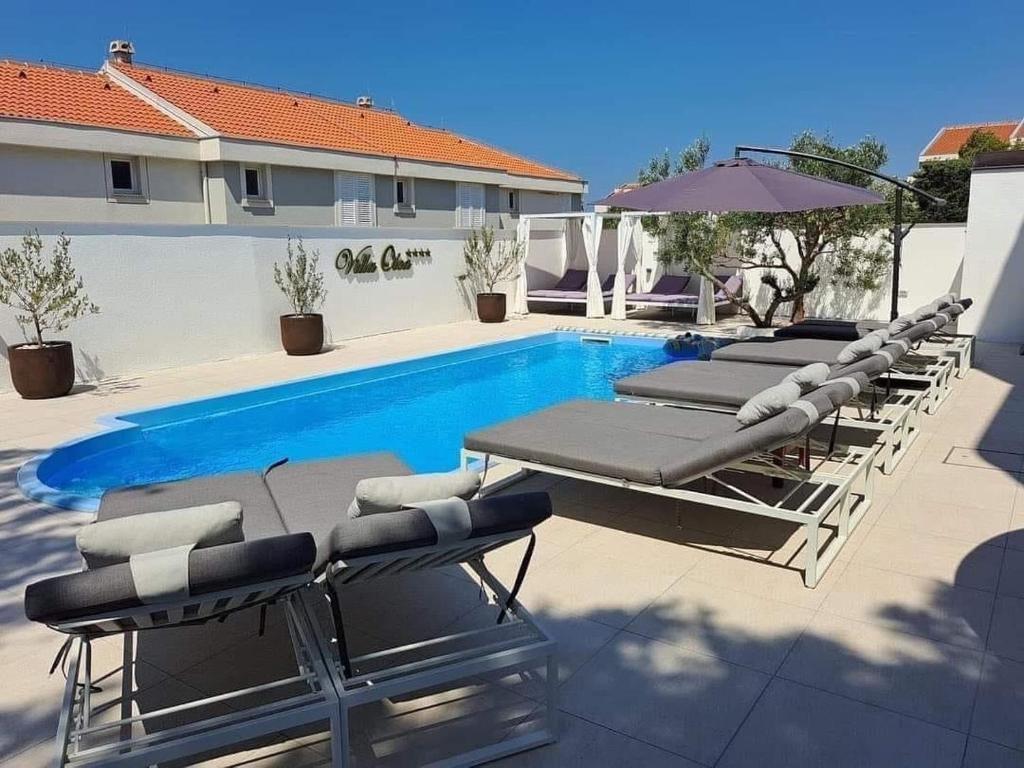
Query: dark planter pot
x,y
490,307
42,372
302,334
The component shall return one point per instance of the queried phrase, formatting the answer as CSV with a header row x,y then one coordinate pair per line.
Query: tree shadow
x,y
689,672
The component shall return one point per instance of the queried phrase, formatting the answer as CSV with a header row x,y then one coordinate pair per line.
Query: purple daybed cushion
x,y
572,280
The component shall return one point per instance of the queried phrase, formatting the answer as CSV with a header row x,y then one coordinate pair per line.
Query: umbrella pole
x,y
897,253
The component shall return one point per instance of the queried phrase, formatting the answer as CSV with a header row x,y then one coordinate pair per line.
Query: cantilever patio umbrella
x,y
741,184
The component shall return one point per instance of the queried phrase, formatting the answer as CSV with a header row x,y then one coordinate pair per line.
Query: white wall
x,y
178,295
933,256
993,272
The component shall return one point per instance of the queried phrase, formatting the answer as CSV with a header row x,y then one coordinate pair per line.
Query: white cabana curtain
x,y
522,306
591,243
706,302
648,268
625,240
572,243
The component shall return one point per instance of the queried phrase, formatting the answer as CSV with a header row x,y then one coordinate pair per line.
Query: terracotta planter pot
x,y
490,307
302,334
42,372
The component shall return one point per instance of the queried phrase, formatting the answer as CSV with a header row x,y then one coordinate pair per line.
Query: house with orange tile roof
x,y
946,144
133,143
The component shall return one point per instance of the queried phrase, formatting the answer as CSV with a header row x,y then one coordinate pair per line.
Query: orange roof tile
x,y
951,138
263,114
60,95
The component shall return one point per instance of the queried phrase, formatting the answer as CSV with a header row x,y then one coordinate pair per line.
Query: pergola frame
x,y
595,298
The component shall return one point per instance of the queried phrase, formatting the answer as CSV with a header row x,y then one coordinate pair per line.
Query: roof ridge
x,y
980,125
256,86
44,64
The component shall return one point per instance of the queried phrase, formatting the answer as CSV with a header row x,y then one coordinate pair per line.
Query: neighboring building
x,y
138,144
947,142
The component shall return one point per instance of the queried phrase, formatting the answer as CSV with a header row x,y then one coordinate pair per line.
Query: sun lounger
x,y
299,546
561,295
960,346
934,373
680,453
681,291
890,416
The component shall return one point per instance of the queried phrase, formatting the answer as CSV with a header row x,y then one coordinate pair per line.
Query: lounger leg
x,y
811,568
339,738
66,722
552,696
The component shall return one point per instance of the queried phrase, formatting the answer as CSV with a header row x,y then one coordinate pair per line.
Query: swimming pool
x,y
419,409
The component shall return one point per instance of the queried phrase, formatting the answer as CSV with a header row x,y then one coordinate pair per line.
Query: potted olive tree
x,y
302,282
489,262
48,295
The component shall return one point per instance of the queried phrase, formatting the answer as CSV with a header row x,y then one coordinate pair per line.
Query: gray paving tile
x,y
793,726
985,754
735,626
997,711
585,745
912,675
674,698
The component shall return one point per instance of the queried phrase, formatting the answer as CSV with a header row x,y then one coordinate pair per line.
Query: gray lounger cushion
x,y
768,402
714,382
389,494
314,495
405,529
781,351
858,349
635,442
228,566
106,542
259,513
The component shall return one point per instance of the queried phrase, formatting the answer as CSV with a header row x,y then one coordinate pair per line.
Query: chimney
x,y
121,51
365,101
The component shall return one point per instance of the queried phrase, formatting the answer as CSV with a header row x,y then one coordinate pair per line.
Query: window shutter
x,y
470,213
355,200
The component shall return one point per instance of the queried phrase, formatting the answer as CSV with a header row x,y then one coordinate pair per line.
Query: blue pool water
x,y
419,409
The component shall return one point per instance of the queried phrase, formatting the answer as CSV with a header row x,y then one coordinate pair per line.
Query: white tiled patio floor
x,y
689,642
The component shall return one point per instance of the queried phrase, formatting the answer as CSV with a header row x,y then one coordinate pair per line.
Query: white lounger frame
x,y
633,306
515,644
836,485
75,725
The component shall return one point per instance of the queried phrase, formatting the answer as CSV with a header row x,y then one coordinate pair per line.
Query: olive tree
x,y
788,249
300,279
46,293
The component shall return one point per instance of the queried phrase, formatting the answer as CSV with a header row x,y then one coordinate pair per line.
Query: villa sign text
x,y
364,260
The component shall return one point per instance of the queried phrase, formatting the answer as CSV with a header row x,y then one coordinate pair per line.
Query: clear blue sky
x,y
596,87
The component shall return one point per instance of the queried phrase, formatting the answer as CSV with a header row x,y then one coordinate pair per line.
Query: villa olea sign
x,y
364,261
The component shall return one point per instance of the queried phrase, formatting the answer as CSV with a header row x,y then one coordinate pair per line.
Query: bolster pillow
x,y
389,494
768,402
116,540
809,377
858,349
900,324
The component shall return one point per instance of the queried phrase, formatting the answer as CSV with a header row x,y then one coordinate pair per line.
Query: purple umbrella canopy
x,y
742,184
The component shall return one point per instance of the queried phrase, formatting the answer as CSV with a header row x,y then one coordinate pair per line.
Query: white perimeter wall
x,y
994,264
932,262
178,295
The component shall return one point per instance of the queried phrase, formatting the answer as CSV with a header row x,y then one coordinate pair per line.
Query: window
x,y
256,185
355,200
513,201
405,195
470,211
122,179
126,179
